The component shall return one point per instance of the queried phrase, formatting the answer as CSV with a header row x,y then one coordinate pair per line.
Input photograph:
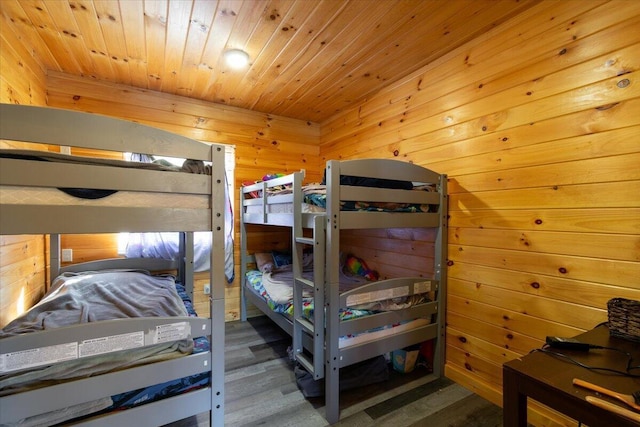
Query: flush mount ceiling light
x,y
236,58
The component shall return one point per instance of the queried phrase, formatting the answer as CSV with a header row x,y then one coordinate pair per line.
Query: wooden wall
x,y
22,258
264,143
537,124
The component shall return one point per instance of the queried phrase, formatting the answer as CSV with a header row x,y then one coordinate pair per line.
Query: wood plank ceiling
x,y
309,58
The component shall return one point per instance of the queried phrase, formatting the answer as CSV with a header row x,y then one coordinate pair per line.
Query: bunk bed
x,y
51,194
357,194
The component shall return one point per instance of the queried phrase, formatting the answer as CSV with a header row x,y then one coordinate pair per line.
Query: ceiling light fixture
x,y
236,58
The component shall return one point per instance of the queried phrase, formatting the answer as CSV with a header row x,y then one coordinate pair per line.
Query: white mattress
x,y
13,195
283,208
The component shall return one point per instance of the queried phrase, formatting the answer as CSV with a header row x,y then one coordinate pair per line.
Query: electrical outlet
x,y
207,289
67,255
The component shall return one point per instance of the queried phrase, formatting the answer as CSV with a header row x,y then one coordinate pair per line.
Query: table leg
x,y
514,403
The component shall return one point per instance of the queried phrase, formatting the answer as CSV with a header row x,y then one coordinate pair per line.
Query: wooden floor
x,y
260,390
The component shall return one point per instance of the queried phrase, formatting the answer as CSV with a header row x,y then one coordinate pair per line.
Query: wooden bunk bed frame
x,y
317,349
75,129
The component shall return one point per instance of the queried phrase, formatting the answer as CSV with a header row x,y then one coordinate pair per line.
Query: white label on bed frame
x,y
422,287
172,332
380,295
38,357
111,343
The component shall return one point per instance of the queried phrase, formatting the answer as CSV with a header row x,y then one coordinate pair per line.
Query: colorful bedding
x,y
317,195
255,279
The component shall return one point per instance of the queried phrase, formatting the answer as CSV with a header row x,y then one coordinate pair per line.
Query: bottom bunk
x,y
417,312
100,342
376,319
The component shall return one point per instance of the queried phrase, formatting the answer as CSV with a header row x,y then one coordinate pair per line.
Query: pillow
x,y
264,262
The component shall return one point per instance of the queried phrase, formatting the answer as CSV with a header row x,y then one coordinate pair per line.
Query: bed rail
x,y
29,123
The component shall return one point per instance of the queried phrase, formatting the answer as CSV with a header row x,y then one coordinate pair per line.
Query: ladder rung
x,y
306,363
306,325
305,240
306,282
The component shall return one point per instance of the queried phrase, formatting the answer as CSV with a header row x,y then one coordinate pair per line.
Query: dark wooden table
x,y
548,380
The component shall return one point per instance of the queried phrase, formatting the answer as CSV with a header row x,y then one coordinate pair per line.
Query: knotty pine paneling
x,y
22,274
381,249
264,144
22,258
536,124
22,76
90,247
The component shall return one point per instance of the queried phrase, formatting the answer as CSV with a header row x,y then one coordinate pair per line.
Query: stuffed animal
x,y
270,176
355,265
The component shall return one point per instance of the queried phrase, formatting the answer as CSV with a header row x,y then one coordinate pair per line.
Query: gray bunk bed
x,y
321,350
140,200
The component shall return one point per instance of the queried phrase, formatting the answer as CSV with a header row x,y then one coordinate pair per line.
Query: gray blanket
x,y
92,297
95,296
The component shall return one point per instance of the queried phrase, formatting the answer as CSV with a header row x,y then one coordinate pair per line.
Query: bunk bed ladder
x,y
302,327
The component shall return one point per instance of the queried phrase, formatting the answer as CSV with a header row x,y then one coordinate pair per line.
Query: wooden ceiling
x,y
309,58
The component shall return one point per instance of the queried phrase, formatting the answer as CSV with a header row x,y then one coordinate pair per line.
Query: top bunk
x,y
77,194
362,193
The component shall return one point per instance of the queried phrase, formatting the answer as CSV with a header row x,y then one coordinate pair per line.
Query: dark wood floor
x,y
260,390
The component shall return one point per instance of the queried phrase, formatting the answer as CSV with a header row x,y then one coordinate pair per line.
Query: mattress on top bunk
x,y
81,196
315,201
91,297
13,195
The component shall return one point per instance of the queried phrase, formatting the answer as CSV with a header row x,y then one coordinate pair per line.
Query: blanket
x,y
279,282
91,297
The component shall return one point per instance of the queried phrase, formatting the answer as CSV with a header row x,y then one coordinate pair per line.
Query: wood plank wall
x,y
22,258
537,124
264,143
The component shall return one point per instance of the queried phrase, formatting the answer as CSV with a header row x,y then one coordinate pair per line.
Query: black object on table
x,y
548,380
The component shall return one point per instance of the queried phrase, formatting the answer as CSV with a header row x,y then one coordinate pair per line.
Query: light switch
x,y
67,255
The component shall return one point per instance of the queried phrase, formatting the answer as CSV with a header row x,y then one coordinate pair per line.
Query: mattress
x,y
13,195
52,196
279,208
315,199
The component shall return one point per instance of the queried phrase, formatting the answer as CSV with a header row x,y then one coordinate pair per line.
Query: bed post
x,y
441,244
332,304
244,259
217,281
